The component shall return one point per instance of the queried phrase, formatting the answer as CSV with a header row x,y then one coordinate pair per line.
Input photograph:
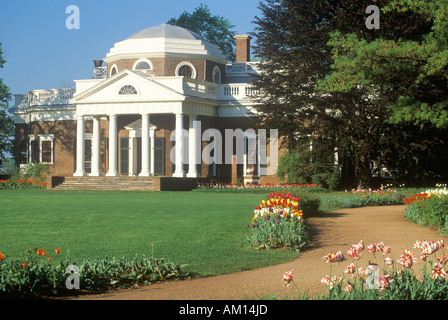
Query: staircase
x,y
109,183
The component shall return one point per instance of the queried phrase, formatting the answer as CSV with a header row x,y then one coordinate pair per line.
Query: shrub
x,y
278,223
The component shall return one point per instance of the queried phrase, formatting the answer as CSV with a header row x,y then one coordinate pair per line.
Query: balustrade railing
x,y
44,97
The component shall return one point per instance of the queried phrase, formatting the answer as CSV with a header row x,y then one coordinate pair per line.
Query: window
x,y
113,70
186,69
143,64
41,149
216,75
127,90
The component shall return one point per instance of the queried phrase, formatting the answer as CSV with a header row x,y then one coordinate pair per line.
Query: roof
x,y
166,31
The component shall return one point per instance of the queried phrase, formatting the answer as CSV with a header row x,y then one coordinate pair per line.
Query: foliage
x,y
38,274
407,69
317,60
19,184
6,120
32,171
308,167
361,198
428,208
278,223
213,28
256,188
387,279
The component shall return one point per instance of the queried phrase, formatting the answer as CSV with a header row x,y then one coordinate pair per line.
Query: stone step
x,y
109,183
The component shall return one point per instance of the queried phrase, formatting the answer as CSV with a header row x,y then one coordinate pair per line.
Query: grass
x,y
206,231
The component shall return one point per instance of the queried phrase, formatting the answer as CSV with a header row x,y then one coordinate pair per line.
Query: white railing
x,y
100,72
44,97
201,89
237,92
243,67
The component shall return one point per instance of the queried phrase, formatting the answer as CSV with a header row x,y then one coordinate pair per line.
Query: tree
x,y
293,40
215,29
6,120
409,70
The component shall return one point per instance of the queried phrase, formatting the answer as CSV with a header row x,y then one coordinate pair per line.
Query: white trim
x,y
46,137
186,63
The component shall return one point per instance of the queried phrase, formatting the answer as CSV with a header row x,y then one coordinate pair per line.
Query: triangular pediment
x,y
127,87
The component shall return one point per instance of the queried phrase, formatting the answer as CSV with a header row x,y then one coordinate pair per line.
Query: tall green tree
x,y
407,70
6,120
214,28
293,40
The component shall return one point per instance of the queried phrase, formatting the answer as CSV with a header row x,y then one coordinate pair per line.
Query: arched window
x,y
216,75
125,90
143,64
113,70
186,69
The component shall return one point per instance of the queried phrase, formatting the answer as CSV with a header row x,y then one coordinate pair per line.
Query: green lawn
x,y
207,231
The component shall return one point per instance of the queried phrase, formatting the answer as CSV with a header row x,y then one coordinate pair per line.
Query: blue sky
x,y
42,53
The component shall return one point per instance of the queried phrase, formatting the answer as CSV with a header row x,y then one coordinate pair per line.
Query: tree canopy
x,y
6,120
214,28
317,85
410,74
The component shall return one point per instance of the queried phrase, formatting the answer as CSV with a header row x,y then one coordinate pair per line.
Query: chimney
x,y
98,63
242,48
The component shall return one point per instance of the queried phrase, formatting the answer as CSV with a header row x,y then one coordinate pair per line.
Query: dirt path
x,y
331,232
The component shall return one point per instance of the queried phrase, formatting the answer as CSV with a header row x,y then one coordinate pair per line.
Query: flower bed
x,y
20,184
44,274
381,276
278,223
257,188
428,208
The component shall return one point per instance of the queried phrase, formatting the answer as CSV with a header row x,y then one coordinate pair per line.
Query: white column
x,y
145,146
152,136
180,173
96,147
131,157
193,148
80,147
113,146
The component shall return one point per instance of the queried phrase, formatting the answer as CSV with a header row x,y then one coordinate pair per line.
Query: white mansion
x,y
119,122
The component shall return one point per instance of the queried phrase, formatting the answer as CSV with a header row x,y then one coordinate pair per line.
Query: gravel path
x,y
331,232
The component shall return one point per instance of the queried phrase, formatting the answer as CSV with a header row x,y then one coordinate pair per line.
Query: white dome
x,y
166,31
165,40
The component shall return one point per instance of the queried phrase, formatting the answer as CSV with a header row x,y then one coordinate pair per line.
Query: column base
x,y
193,175
112,174
179,175
145,174
80,174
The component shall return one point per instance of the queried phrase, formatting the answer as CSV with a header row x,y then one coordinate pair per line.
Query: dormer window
x,y
186,69
127,90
